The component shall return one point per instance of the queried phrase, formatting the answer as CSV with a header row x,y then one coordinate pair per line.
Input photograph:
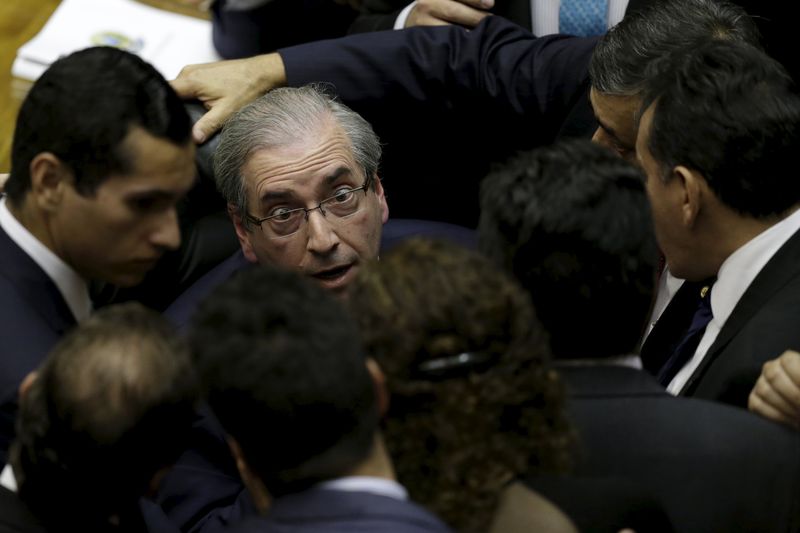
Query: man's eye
x,y
281,214
145,204
342,195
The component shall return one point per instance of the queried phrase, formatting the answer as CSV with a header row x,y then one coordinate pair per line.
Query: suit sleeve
x,y
497,65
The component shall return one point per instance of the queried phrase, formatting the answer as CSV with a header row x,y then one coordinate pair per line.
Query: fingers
x,y
759,406
211,122
777,391
438,12
185,85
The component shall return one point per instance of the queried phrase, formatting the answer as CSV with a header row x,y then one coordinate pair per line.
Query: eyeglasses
x,y
284,222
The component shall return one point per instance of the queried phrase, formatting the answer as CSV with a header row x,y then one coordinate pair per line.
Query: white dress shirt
x,y
72,286
374,485
544,15
7,479
734,277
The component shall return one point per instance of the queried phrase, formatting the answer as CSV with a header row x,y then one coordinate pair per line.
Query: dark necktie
x,y
684,313
684,352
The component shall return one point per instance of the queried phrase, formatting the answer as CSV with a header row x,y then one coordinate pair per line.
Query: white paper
x,y
167,40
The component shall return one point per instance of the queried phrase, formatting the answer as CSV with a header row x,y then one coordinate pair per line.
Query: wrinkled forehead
x,y
306,165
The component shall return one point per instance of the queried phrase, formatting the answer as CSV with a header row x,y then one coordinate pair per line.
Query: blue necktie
x,y
684,352
582,17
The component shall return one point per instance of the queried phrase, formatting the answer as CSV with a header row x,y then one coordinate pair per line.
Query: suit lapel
x,y
780,270
34,285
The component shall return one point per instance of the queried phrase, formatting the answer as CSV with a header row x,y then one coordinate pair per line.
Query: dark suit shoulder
x,y
710,465
15,516
762,325
333,511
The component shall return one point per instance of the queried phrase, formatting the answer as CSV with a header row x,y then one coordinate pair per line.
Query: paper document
x,y
167,40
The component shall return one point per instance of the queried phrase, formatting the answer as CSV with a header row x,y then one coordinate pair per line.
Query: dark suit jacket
x,y
15,516
277,23
377,15
333,511
763,324
447,103
713,467
33,316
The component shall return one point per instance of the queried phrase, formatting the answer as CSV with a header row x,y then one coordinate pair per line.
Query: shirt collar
x,y
7,479
374,485
740,269
70,284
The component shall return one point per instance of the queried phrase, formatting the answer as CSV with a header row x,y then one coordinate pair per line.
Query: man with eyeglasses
x,y
298,171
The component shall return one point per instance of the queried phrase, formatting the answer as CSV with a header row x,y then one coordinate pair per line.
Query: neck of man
x,y
377,463
35,221
728,231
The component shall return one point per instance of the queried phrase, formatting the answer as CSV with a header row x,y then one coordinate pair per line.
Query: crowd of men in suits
x,y
582,361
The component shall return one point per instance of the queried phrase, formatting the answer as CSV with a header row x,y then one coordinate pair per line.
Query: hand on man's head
x,y
226,86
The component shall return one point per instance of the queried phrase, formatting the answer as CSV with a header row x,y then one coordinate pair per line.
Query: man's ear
x,y
27,383
379,382
243,233
254,485
50,178
382,199
692,186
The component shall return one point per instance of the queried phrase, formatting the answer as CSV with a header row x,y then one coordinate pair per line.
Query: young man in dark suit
x,y
101,154
287,377
572,223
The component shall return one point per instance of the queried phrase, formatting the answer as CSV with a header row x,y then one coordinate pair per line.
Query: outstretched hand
x,y
442,12
777,392
226,86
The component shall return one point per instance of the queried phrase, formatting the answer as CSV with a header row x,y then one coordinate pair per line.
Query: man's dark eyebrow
x,y
285,194
274,196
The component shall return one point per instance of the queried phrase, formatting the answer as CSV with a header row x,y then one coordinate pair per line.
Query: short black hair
x,y
285,374
731,113
112,404
82,108
620,59
572,223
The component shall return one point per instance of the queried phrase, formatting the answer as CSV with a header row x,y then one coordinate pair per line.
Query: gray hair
x,y
620,60
281,118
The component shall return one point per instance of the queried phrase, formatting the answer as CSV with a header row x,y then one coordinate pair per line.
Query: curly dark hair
x,y
460,434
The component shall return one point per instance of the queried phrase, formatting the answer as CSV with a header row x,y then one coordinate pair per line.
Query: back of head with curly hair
x,y
473,402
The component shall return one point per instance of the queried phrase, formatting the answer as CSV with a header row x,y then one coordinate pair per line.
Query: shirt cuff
x,y
400,21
